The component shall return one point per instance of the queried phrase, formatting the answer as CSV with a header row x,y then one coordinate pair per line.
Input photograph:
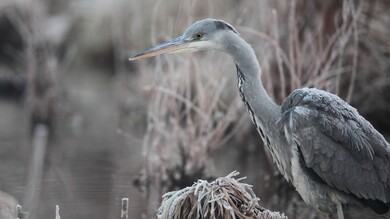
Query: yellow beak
x,y
173,46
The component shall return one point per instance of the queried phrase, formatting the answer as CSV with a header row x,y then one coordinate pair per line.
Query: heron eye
x,y
199,36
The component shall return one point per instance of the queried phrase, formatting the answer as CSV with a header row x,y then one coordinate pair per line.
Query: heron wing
x,y
340,146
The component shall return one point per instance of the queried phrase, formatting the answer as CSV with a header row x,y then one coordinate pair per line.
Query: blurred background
x,y
81,127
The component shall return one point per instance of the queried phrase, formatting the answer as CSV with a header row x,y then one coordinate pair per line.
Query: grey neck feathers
x,y
263,111
251,89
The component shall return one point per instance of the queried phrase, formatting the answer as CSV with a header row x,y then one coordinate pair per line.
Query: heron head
x,y
203,34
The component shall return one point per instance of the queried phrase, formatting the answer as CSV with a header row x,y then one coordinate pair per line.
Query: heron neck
x,y
251,88
263,111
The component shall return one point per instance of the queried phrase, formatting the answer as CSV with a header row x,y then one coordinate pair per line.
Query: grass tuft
x,y
224,198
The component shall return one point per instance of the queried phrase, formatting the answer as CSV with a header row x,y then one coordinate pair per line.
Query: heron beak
x,y
176,45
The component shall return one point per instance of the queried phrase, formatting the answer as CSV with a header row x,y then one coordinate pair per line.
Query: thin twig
x,y
354,14
278,59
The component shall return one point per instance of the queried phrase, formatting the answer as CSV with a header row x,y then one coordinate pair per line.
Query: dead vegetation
x,y
187,106
225,198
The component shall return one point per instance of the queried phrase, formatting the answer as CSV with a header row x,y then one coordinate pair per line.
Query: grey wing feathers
x,y
341,146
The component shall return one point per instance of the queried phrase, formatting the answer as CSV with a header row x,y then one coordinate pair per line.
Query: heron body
x,y
336,160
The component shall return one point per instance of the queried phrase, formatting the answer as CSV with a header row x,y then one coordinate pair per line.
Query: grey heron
x,y
337,161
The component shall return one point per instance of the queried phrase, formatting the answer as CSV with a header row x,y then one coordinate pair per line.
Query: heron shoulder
x,y
319,100
338,144
310,107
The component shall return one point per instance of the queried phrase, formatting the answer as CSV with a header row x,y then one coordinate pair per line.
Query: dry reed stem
x,y
292,26
223,198
354,14
278,58
58,212
125,208
39,147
